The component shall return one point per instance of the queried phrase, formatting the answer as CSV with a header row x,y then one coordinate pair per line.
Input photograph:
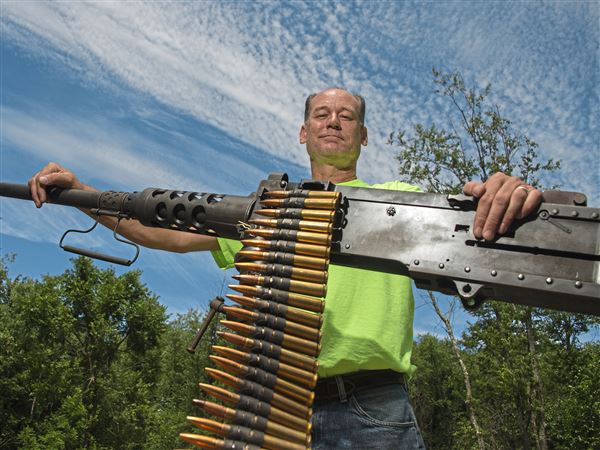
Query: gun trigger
x,y
462,202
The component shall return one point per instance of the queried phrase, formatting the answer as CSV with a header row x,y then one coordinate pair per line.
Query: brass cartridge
x,y
245,403
290,259
202,441
286,284
274,322
302,193
297,213
294,224
243,434
281,270
272,351
283,234
248,419
300,316
277,337
260,392
299,202
279,296
300,376
320,251
270,380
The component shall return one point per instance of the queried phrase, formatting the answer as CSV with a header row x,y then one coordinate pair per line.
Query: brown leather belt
x,y
327,388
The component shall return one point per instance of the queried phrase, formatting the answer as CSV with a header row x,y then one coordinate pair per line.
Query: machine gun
x,y
550,259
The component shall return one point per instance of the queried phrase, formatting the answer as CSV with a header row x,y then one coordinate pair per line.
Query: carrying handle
x,y
97,255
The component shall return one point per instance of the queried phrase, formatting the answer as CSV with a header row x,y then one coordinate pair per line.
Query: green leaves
x,y
475,141
69,342
89,360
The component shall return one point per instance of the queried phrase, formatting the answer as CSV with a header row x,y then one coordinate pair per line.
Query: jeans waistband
x,y
342,386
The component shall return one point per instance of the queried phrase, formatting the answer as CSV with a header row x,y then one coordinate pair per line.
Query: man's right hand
x,y
52,175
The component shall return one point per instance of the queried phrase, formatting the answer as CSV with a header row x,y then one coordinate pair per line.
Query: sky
x,y
209,96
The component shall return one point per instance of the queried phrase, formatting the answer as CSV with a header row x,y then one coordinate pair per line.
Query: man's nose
x,y
334,122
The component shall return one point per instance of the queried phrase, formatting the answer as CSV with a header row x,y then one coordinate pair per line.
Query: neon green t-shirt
x,y
368,316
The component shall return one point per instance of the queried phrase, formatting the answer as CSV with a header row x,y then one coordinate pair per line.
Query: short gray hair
x,y
362,107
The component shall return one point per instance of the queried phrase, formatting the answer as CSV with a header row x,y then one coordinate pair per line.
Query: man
x,y
361,399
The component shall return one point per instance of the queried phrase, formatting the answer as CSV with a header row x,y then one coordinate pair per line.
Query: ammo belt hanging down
x,y
271,370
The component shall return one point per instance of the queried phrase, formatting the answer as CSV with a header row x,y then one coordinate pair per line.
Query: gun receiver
x,y
550,259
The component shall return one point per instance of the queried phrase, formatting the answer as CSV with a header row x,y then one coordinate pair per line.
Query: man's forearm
x,y
155,238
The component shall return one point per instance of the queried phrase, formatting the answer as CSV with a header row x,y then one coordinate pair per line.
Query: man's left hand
x,y
502,199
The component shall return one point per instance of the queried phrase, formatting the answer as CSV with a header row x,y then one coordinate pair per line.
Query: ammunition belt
x,y
271,370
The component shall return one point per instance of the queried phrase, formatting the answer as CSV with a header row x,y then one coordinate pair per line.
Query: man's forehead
x,y
335,97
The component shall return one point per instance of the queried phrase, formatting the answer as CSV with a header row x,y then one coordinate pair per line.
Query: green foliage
x,y
574,415
77,359
476,142
177,385
436,391
70,378
495,350
88,360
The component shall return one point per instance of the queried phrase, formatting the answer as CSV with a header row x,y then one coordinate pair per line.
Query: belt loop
x,y
339,381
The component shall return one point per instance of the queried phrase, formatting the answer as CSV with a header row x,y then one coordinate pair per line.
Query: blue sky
x,y
208,96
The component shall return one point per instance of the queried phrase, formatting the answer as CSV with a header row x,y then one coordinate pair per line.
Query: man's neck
x,y
333,174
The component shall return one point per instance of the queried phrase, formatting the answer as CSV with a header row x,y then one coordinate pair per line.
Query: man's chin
x,y
336,146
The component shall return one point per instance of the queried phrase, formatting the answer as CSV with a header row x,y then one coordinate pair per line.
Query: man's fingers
x,y
474,188
488,193
502,199
33,189
51,174
517,201
61,179
493,204
498,206
533,200
524,200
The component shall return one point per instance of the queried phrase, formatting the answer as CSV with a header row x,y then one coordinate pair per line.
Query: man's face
x,y
333,133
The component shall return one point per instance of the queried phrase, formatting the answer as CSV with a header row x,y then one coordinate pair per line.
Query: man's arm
x,y
158,238
502,199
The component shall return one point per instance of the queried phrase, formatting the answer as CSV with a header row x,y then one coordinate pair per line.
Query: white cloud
x,y
245,68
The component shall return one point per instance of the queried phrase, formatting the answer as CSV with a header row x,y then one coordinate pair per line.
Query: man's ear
x,y
364,136
302,136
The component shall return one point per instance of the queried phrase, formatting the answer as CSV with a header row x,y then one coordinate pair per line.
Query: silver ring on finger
x,y
525,188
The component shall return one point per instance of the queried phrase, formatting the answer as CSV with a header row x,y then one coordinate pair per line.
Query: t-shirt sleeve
x,y
224,257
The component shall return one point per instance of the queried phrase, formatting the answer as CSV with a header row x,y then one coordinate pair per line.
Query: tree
x,y
78,359
436,392
476,142
177,384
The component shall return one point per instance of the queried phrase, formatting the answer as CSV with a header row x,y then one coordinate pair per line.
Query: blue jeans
x,y
379,417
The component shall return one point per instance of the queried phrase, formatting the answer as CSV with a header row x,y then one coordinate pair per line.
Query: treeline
x,y
88,359
524,396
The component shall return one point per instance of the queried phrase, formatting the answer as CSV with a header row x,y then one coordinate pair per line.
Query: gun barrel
x,y
68,197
